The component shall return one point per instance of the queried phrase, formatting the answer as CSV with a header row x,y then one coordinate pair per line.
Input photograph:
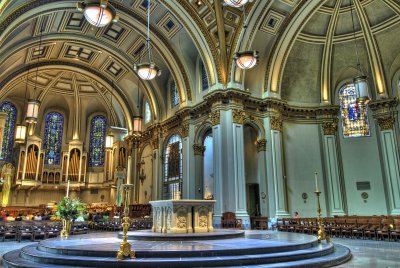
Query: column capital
x,y
276,123
261,145
133,143
199,149
184,130
386,123
215,117
238,116
329,128
154,143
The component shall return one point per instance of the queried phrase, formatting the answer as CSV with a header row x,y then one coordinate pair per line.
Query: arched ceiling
x,y
306,47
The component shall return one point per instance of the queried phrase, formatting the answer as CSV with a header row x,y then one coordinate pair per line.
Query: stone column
x,y
390,158
278,182
333,170
217,165
131,167
198,151
188,175
157,168
262,176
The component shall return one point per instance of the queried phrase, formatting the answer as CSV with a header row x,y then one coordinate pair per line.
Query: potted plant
x,y
68,210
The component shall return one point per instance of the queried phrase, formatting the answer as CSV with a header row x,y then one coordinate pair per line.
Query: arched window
x,y
98,127
172,185
8,135
208,167
174,95
204,77
354,115
52,142
147,112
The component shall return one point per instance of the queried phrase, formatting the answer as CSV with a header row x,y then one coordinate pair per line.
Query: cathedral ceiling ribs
x,y
87,42
70,66
161,44
292,27
327,55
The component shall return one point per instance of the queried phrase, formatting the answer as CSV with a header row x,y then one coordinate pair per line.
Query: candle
x,y
67,188
316,182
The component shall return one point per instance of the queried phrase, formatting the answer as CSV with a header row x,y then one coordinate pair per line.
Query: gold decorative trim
x,y
261,145
184,130
329,128
199,149
238,116
215,117
276,123
386,123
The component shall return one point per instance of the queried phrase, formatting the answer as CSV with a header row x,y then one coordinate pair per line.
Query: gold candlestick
x,y
125,248
321,232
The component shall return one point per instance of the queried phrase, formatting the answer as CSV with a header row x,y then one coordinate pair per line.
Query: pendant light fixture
x,y
98,13
147,70
245,59
32,110
137,120
20,129
360,81
110,137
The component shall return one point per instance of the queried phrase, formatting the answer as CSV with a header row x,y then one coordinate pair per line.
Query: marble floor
x,y
366,253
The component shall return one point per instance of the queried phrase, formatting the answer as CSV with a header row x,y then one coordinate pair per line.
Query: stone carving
x,y
154,143
181,221
169,217
386,123
199,149
261,145
238,116
215,118
184,130
203,221
276,123
329,128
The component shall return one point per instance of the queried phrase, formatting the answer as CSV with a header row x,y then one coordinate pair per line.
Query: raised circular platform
x,y
148,235
255,248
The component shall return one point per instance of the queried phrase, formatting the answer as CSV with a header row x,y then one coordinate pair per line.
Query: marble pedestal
x,y
182,216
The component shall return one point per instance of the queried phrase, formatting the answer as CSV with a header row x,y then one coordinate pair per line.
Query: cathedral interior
x,y
254,104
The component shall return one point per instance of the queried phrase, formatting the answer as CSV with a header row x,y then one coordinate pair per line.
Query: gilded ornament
x,y
329,128
276,123
199,149
184,130
386,123
215,118
261,145
154,143
238,116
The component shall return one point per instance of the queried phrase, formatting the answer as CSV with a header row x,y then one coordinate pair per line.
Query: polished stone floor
x,y
366,253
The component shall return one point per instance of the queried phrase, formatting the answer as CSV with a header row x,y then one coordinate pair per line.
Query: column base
x,y
245,219
217,221
395,212
338,213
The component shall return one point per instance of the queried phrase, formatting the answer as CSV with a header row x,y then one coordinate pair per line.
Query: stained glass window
x,y
172,185
147,112
354,115
52,142
98,127
174,95
204,77
8,135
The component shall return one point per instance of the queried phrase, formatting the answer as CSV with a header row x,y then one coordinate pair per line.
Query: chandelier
x,y
236,3
98,13
147,70
360,81
244,59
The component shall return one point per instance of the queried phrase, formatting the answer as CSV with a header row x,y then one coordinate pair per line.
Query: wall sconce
x,y
364,195
142,176
305,197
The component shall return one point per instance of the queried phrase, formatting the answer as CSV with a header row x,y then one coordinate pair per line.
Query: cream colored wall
x,y
147,185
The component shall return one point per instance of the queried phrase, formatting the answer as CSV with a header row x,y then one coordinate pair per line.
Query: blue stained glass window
x,y
204,77
174,95
354,115
8,135
147,112
98,127
52,142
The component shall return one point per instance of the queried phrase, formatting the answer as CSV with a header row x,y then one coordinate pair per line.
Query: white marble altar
x,y
182,216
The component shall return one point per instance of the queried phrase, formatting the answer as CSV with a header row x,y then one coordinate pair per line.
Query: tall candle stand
x,y
125,248
321,232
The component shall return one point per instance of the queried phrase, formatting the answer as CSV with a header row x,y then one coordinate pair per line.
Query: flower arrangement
x,y
70,209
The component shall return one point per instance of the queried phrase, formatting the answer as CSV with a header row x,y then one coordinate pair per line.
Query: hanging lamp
x,y
360,81
245,59
110,137
98,13
147,70
20,129
32,109
138,119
